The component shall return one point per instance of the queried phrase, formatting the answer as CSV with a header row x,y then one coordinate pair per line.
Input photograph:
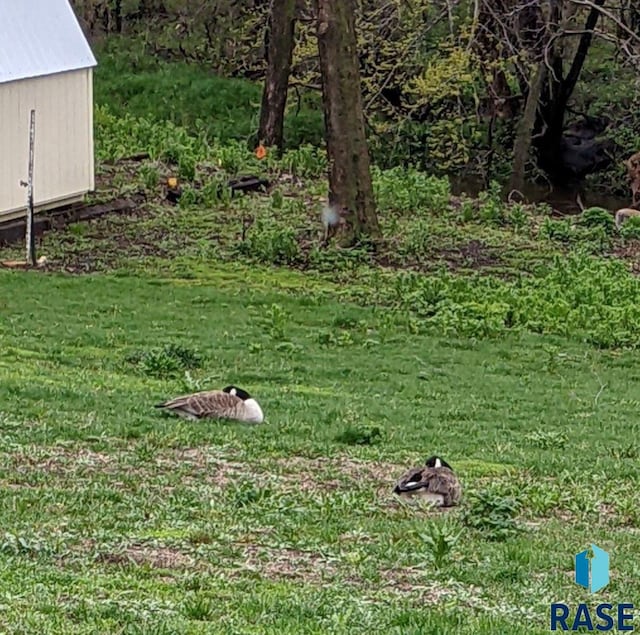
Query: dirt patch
x,y
207,466
416,581
374,471
61,461
287,563
204,465
335,473
155,557
629,252
472,255
291,473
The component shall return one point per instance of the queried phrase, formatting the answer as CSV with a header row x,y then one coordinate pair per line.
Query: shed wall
x,y
64,168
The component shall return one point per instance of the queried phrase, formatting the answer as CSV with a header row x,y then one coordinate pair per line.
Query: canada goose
x,y
434,482
229,403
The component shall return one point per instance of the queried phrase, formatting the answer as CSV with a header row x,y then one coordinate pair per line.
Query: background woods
x,y
499,89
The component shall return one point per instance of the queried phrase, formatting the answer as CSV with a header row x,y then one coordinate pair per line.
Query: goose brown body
x,y
229,403
435,482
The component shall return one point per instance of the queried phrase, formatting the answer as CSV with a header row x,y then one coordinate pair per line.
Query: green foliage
x,y
492,208
560,230
150,175
425,88
198,607
442,130
133,83
592,234
275,321
118,137
12,544
440,538
597,217
417,240
546,439
492,514
518,217
407,190
270,242
360,435
578,295
305,161
165,361
630,228
571,294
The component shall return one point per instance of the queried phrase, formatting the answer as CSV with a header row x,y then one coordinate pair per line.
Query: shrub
x,y
165,361
597,217
271,243
631,228
492,514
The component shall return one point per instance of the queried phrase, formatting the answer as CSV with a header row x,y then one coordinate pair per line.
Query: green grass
x,y
129,81
117,518
488,333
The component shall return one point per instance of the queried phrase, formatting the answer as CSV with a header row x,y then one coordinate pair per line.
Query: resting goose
x,y
434,482
229,403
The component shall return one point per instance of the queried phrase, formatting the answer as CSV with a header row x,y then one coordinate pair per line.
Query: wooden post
x,y
30,237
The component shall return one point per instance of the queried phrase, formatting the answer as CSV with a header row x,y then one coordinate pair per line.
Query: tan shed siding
x,y
91,150
64,138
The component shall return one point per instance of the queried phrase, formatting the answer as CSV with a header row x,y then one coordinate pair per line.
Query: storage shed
x,y
46,64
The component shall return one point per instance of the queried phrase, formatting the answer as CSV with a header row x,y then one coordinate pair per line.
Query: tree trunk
x,y
350,188
118,15
556,94
276,83
526,126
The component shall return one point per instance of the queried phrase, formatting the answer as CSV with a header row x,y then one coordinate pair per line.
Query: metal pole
x,y
30,236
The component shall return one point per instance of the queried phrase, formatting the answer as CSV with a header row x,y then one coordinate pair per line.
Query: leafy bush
x,y
592,234
559,230
440,538
167,361
360,435
631,228
491,514
492,208
305,161
270,242
408,190
581,296
597,217
417,238
517,216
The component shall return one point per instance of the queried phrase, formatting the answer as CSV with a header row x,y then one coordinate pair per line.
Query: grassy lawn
x,y
117,518
130,81
498,336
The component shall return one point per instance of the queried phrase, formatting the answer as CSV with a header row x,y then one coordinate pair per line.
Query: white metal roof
x,y
40,37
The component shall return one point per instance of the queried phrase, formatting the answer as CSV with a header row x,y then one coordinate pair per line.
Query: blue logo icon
x,y
592,569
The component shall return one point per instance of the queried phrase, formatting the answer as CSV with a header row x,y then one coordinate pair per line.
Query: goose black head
x,y
237,392
436,461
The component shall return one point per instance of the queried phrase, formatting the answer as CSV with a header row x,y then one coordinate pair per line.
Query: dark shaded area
x,y
582,151
14,231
